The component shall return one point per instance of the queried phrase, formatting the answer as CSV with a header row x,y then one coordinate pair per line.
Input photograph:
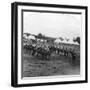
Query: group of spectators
x,y
45,50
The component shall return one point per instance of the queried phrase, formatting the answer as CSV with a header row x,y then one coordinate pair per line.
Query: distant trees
x,y
61,38
40,35
67,39
27,34
77,39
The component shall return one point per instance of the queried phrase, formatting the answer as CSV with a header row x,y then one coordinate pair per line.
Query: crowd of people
x,y
45,50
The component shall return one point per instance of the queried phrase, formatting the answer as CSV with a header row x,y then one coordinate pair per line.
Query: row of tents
x,y
56,40
66,42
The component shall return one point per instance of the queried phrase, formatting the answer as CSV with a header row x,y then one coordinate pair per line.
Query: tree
x,y
78,40
74,39
40,35
61,38
27,34
67,39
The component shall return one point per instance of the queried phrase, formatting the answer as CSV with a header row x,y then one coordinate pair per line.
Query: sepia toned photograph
x,y
49,44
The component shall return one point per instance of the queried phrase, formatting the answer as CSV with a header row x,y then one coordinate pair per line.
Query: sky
x,y
52,24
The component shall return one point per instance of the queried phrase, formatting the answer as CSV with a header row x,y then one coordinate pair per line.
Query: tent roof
x,y
64,41
31,37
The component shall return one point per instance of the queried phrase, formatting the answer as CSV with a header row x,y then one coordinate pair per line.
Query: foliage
x,y
77,39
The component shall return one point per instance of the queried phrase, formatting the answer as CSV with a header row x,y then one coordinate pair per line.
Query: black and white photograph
x,y
51,43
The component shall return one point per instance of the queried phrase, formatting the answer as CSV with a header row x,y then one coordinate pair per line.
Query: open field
x,y
56,65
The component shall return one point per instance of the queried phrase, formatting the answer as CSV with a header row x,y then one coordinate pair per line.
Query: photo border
x,y
36,11
14,43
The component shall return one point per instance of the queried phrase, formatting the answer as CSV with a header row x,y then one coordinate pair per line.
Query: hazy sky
x,y
51,24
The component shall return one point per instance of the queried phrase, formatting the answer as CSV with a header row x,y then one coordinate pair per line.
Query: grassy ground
x,y
57,65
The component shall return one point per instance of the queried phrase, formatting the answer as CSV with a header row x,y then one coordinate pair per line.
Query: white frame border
x,y
51,78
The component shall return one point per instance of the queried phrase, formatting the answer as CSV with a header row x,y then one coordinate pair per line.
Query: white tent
x,y
24,36
72,42
76,43
57,40
65,41
60,41
31,37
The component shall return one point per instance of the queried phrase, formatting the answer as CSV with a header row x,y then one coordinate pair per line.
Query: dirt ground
x,y
56,65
